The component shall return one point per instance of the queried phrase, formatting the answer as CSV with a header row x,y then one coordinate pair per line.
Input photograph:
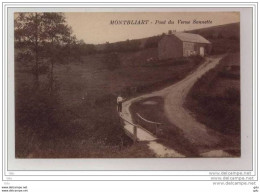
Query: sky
x,y
96,27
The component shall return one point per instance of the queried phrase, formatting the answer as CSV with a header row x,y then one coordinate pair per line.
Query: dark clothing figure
x,y
119,107
119,103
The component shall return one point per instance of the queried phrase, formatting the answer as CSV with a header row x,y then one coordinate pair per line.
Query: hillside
x,y
221,31
223,37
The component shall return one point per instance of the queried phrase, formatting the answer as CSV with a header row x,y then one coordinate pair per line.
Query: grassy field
x,y
80,118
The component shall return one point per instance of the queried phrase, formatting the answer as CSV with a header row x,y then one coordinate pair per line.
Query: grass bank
x,y
215,99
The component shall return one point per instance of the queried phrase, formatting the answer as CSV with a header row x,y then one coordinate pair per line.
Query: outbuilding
x,y
179,44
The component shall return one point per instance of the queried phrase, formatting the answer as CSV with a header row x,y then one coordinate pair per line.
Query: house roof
x,y
190,37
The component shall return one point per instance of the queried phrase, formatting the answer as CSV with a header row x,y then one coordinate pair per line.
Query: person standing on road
x,y
119,103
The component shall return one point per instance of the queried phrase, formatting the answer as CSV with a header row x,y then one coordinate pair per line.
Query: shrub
x,y
197,59
180,61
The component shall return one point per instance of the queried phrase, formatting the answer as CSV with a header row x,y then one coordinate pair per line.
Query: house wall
x,y
194,48
189,49
207,47
170,47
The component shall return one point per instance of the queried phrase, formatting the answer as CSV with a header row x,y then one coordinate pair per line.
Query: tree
x,y
152,41
46,38
57,34
29,35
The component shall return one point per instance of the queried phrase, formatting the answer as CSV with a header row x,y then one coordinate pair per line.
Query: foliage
x,y
44,39
85,49
123,46
29,33
57,34
152,41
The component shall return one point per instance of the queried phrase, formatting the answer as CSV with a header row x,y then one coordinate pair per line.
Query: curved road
x,y
174,97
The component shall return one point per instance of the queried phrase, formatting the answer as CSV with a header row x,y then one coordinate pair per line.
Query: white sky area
x,y
95,27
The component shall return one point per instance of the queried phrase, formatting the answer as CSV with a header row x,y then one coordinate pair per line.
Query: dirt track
x,y
174,97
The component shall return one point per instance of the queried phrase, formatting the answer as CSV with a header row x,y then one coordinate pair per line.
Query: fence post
x,y
135,134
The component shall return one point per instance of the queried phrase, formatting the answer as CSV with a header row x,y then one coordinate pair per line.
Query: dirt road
x,y
197,133
174,97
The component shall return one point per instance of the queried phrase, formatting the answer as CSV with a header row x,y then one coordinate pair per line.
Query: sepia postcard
x,y
127,84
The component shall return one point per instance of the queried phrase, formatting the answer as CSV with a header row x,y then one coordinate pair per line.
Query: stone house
x,y
181,44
